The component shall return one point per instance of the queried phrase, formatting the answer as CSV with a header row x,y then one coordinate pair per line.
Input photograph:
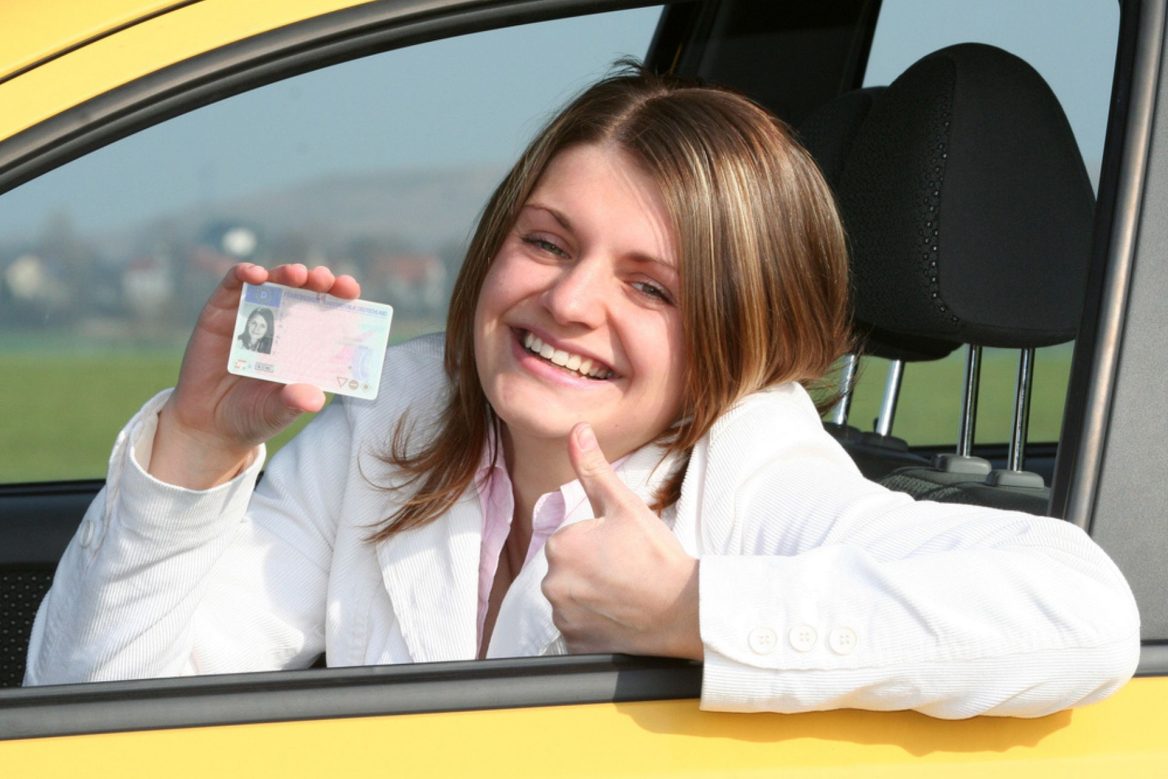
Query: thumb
x,y
605,491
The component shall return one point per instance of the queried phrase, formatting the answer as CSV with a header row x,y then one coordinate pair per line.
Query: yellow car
x,y
145,146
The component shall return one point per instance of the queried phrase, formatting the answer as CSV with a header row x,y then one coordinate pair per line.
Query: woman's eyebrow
x,y
555,214
640,257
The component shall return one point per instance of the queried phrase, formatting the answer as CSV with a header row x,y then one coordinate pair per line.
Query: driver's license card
x,y
295,336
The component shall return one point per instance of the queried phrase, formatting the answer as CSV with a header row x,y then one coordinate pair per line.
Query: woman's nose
x,y
578,295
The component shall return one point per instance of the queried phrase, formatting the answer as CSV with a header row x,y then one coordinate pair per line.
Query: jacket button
x,y
802,638
762,641
842,641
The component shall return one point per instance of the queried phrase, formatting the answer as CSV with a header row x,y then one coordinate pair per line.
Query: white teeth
x,y
565,359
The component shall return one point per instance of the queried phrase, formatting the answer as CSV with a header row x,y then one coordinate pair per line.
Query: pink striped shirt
x,y
498,505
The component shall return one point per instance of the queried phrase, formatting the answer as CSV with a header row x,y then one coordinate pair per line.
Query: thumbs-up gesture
x,y
620,582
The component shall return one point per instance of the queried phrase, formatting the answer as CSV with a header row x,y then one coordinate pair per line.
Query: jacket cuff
x,y
768,633
160,511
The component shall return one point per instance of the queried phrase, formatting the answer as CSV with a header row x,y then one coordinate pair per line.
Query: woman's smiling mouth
x,y
583,366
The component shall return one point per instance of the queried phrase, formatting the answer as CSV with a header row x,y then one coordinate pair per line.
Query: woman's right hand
x,y
214,419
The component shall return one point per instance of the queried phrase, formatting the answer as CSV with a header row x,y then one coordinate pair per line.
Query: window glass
x,y
1072,44
377,167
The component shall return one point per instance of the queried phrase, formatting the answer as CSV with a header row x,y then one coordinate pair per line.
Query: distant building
x,y
410,282
148,285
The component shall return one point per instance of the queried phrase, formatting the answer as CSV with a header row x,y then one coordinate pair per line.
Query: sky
x,y
475,100
1070,42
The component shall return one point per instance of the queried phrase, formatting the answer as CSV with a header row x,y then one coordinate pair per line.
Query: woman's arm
x,y
165,581
170,571
818,589
840,593
947,609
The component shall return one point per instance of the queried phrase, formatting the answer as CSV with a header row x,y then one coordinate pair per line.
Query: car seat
x,y
969,214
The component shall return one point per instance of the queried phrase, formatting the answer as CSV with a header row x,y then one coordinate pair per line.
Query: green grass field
x,y
930,400
62,406
61,415
63,403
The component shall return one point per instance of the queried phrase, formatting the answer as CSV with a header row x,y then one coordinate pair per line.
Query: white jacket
x,y
818,588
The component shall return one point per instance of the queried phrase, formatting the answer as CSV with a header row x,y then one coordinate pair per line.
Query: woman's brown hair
x,y
761,257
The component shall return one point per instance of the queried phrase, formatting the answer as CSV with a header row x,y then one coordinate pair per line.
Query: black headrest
x,y
829,134
967,205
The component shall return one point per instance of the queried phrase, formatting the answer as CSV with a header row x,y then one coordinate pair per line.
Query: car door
x,y
289,130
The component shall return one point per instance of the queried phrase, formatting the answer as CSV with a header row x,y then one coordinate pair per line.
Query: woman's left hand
x,y
620,582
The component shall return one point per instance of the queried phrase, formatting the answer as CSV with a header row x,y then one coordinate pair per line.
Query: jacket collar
x,y
431,574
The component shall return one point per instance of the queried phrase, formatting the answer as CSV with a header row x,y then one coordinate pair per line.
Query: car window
x,y
376,166
1072,44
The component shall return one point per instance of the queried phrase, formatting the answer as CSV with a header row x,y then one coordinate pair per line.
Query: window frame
x,y
314,694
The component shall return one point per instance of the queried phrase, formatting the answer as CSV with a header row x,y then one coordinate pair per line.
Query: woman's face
x,y
577,319
257,328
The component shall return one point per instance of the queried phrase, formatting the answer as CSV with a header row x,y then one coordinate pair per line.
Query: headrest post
x,y
1022,393
969,401
891,395
847,377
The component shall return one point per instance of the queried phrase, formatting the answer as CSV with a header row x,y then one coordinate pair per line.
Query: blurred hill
x,y
402,232
419,209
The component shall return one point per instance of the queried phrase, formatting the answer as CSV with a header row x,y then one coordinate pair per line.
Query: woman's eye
x,y
544,245
653,290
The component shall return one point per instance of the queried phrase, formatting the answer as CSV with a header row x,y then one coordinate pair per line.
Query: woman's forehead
x,y
590,188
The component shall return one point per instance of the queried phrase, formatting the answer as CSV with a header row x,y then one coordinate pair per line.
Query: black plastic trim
x,y
862,48
35,489
343,692
1097,350
675,35
297,48
37,521
1153,659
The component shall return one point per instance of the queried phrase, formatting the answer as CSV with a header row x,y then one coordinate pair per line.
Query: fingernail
x,y
586,438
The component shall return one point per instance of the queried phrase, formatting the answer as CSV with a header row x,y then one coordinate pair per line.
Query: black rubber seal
x,y
343,692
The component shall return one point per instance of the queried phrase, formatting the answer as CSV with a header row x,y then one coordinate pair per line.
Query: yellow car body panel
x,y
36,32
655,738
49,28
129,51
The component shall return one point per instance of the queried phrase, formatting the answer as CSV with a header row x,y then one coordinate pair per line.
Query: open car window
x,y
377,167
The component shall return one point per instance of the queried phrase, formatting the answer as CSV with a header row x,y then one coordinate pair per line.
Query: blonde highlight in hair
x,y
761,258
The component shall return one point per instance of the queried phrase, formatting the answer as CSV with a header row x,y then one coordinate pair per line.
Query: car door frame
x,y
1126,241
